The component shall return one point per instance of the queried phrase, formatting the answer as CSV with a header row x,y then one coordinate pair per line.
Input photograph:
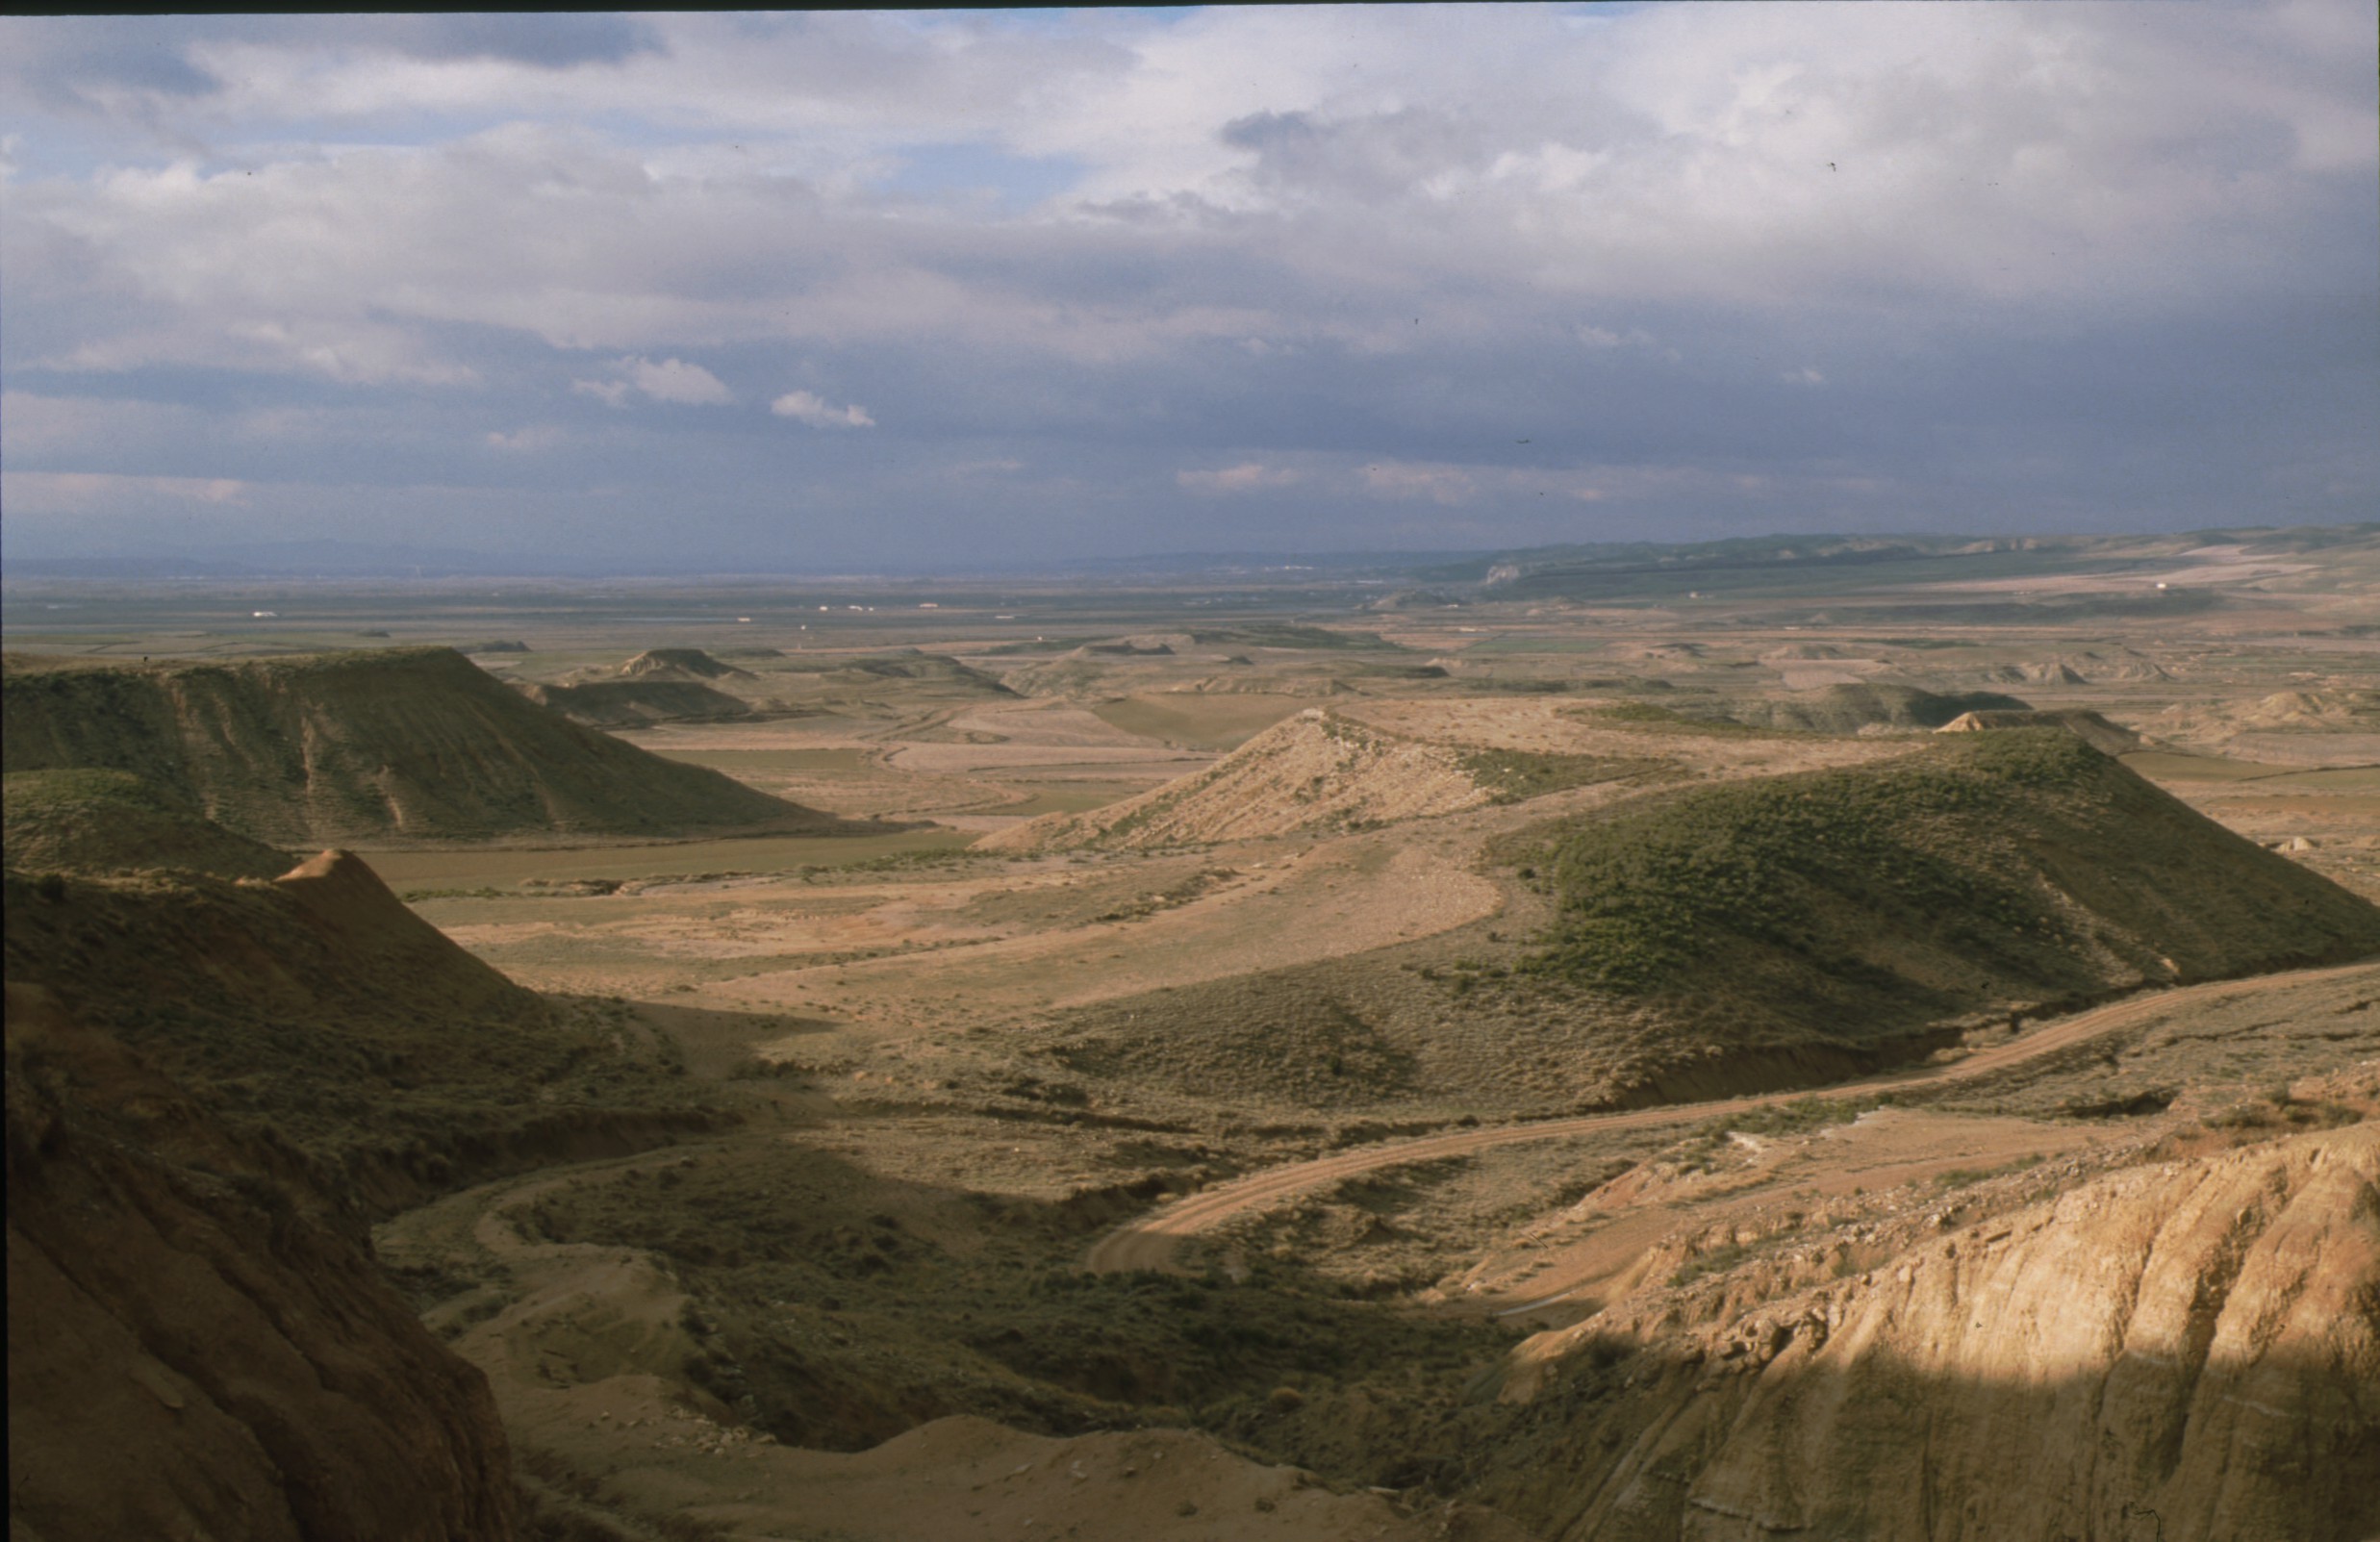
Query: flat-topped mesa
x,y
680,662
398,745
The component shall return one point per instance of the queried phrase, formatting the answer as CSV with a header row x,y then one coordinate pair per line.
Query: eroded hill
x,y
190,1352
2189,1345
1324,769
411,744
637,702
317,1016
2010,862
113,821
1844,709
1693,940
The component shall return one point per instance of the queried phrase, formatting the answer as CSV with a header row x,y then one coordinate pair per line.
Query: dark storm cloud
x,y
999,287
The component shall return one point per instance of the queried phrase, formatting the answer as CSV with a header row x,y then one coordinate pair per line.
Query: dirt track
x,y
1151,1241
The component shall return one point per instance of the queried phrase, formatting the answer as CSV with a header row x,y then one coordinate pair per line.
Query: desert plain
x,y
1829,1037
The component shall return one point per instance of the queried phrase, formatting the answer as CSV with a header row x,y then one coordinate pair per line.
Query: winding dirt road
x,y
1152,1241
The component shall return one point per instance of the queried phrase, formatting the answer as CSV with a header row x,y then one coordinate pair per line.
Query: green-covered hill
x,y
1992,867
412,744
113,821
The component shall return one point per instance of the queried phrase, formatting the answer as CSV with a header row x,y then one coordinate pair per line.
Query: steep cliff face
x,y
2190,1351
403,744
190,1354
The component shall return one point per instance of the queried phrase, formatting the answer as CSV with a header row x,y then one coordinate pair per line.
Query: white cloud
x,y
1459,246
674,380
671,380
526,440
807,407
610,392
1440,484
1249,476
47,490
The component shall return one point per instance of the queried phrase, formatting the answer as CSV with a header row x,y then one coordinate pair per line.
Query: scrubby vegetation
x,y
409,743
1842,708
1515,775
389,1070
111,821
840,1307
2021,861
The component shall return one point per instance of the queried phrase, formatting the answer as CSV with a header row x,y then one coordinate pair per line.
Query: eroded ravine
x,y
1152,1241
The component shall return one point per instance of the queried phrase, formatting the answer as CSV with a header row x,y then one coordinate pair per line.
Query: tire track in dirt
x,y
1152,1241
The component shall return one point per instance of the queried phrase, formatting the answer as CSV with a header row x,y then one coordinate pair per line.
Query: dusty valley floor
x,y
1775,1049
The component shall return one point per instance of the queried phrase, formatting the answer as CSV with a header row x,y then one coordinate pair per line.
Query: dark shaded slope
x,y
113,821
634,703
406,744
318,1016
190,1354
1844,709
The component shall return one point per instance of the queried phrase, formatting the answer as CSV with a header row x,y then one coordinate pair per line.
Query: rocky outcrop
x,y
2190,1351
1317,771
394,744
190,1353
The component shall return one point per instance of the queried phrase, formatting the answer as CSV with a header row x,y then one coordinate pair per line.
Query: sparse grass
x,y
1711,1262
1964,1177
2278,1112
1515,775
1643,717
1700,1151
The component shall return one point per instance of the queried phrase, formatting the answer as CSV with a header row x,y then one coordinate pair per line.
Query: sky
x,y
911,289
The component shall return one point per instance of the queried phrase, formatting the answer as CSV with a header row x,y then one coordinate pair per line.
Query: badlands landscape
x,y
1829,1037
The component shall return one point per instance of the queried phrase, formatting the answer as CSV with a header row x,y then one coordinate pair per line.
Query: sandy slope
x,y
1152,1241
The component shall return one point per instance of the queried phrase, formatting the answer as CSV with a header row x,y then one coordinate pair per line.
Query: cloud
x,y
807,407
1248,476
674,380
2055,259
48,491
671,380
527,441
610,392
1440,484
